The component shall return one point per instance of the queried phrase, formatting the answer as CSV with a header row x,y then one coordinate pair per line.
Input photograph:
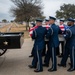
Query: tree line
x,y
29,10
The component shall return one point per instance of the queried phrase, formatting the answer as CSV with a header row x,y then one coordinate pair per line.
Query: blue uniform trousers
x,y
37,59
65,56
32,52
72,58
44,50
68,51
51,53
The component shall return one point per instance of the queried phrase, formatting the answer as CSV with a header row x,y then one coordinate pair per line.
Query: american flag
x,y
35,27
31,30
62,28
46,26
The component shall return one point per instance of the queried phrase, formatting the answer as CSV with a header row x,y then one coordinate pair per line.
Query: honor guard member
x,y
61,38
52,35
38,35
33,24
32,52
69,46
46,40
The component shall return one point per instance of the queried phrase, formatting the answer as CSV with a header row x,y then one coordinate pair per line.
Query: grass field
x,y
14,27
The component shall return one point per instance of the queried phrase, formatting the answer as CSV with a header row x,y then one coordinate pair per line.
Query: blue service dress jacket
x,y
39,35
52,35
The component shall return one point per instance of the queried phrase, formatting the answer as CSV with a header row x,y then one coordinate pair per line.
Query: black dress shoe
x,y
70,64
60,56
60,65
31,66
38,71
43,54
70,70
52,70
31,56
45,65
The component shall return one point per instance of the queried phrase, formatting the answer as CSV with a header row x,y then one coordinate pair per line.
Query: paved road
x,y
15,62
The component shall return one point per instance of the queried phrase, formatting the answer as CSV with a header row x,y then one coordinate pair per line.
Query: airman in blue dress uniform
x,y
32,52
38,35
46,41
52,35
61,46
69,46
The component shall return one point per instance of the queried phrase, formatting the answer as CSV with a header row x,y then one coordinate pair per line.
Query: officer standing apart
x,y
52,35
38,34
69,47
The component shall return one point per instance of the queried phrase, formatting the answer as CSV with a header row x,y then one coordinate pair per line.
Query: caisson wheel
x,y
2,51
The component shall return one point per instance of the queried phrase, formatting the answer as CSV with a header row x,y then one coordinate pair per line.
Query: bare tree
x,y
25,10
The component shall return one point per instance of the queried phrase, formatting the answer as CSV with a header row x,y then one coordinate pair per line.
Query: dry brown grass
x,y
15,28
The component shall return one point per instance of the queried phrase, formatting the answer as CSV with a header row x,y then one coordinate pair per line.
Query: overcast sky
x,y
50,7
